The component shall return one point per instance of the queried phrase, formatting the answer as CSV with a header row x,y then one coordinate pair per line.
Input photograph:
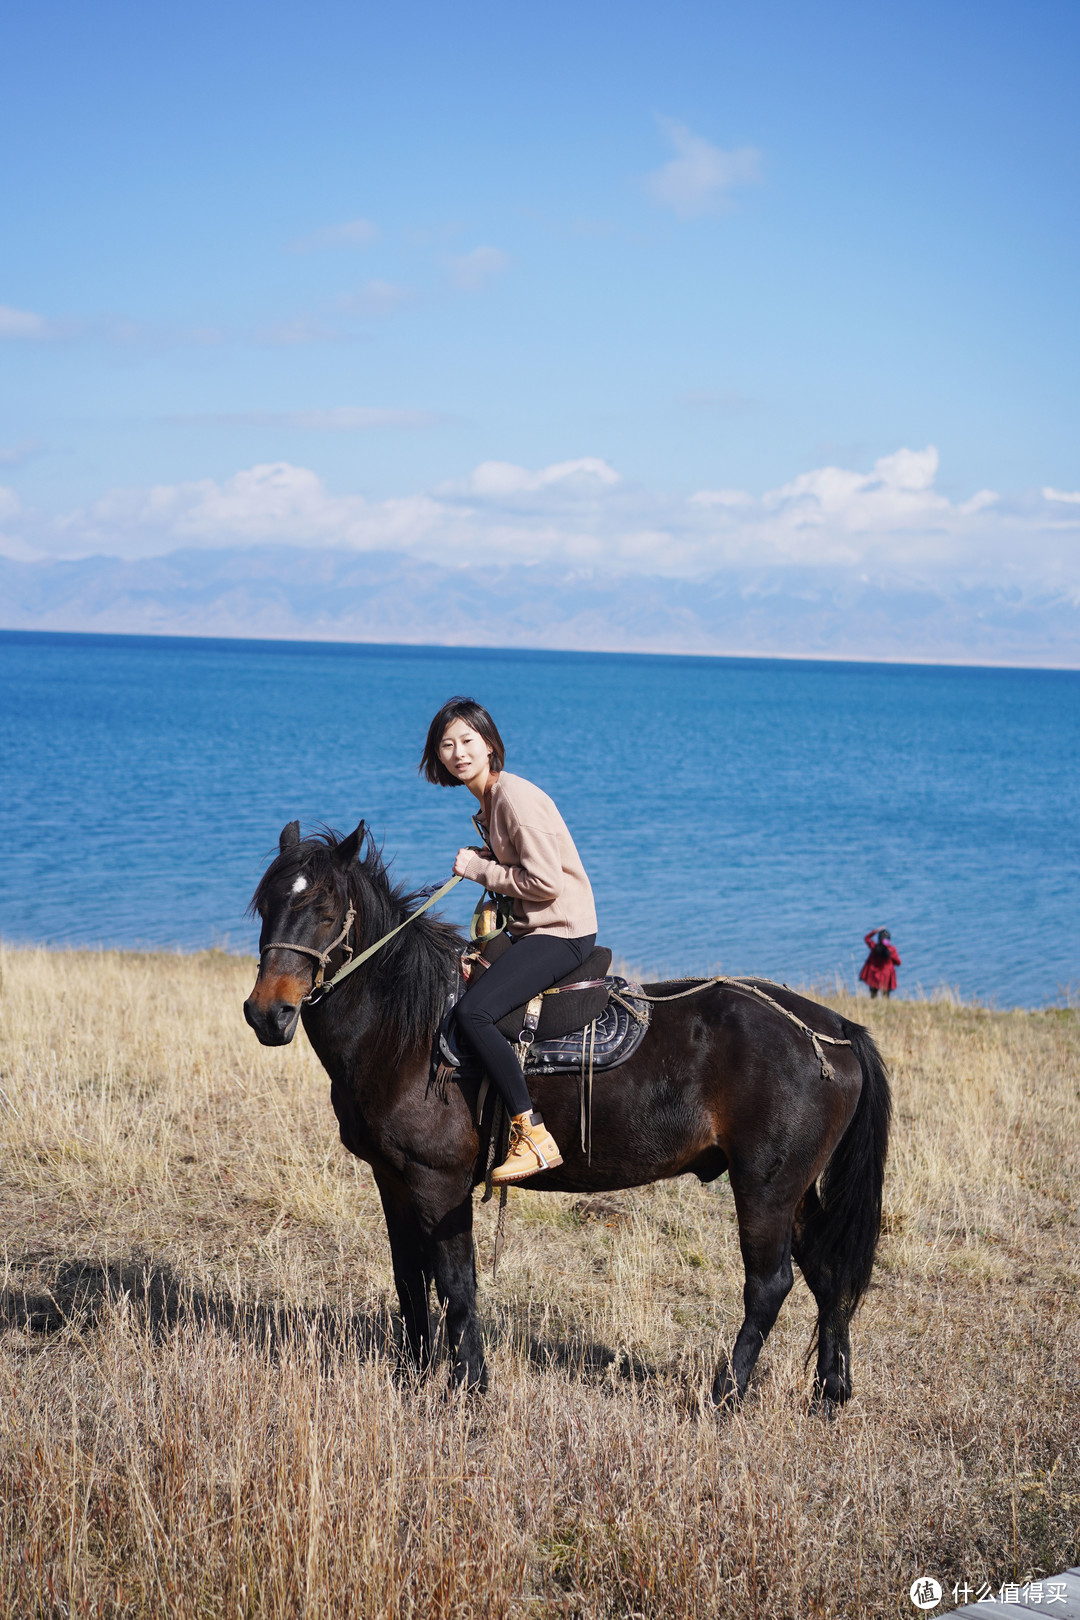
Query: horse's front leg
x,y
453,1255
412,1264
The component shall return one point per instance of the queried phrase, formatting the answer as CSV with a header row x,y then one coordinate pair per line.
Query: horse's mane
x,y
409,976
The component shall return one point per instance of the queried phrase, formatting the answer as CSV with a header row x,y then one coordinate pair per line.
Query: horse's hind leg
x,y
765,1240
832,1382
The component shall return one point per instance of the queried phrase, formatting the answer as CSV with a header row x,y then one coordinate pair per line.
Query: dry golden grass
x,y
200,1412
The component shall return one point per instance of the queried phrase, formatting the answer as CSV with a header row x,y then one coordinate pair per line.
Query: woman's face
x,y
463,751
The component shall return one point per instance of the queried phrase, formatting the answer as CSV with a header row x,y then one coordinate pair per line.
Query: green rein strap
x,y
357,961
502,912
502,906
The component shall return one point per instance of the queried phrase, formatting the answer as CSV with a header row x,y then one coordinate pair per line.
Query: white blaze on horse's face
x,y
463,751
300,885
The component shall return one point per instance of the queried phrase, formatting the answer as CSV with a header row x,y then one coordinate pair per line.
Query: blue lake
x,y
746,815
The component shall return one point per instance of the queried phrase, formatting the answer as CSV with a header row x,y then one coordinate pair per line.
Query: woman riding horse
x,y
732,1077
529,855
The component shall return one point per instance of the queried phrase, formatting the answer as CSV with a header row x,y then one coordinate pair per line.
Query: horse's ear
x,y
347,851
290,836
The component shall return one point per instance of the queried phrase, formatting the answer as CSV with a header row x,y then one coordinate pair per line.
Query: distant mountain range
x,y
341,595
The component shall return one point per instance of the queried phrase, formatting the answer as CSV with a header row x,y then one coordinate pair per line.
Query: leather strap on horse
x,y
528,1028
322,957
585,1085
357,961
500,1231
578,984
500,1121
748,988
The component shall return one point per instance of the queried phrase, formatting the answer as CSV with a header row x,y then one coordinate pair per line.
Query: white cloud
x,y
579,514
375,298
289,334
700,177
353,233
837,516
1068,497
14,455
337,419
14,541
23,323
720,497
497,478
275,503
125,333
472,271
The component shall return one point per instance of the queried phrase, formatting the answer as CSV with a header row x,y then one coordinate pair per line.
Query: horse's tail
x,y
843,1215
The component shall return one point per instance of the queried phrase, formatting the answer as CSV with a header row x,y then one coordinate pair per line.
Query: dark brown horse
x,y
721,1082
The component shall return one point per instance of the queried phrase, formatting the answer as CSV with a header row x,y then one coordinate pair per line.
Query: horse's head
x,y
303,901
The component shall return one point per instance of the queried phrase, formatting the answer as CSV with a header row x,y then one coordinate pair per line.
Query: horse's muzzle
x,y
275,1025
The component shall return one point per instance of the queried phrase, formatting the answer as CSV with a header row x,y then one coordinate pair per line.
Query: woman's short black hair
x,y
474,715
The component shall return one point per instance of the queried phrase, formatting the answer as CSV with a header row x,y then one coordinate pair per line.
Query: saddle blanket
x,y
609,1040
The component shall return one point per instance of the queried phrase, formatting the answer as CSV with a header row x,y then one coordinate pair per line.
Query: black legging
x,y
532,964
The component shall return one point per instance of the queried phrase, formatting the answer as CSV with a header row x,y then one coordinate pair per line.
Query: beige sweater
x,y
535,862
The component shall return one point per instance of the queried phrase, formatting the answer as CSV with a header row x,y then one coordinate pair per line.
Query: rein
x,y
319,991
748,988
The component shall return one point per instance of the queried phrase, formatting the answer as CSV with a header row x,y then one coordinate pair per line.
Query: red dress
x,y
879,969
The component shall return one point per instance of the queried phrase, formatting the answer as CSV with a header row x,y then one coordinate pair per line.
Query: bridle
x,y
322,957
351,963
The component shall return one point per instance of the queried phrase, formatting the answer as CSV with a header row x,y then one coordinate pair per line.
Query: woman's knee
x,y
473,1020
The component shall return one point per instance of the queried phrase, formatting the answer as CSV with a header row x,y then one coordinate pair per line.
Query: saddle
x,y
570,1004
591,1019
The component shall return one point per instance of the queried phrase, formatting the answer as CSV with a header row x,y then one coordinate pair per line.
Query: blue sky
x,y
704,248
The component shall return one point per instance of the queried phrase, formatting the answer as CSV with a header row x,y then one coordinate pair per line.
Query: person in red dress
x,y
879,969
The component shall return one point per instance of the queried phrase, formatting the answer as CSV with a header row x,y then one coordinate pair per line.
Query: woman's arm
x,y
538,877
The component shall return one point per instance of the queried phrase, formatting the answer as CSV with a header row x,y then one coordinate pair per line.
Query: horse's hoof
x,y
725,1393
464,1382
829,1398
820,1406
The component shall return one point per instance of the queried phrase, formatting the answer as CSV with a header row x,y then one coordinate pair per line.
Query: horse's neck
x,y
344,1030
361,897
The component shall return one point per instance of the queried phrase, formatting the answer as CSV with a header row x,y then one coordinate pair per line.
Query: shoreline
x,y
815,990
732,655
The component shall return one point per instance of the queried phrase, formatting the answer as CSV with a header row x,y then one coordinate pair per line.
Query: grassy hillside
x,y
199,1407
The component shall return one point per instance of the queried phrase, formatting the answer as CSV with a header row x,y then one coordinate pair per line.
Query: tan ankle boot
x,y
532,1149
